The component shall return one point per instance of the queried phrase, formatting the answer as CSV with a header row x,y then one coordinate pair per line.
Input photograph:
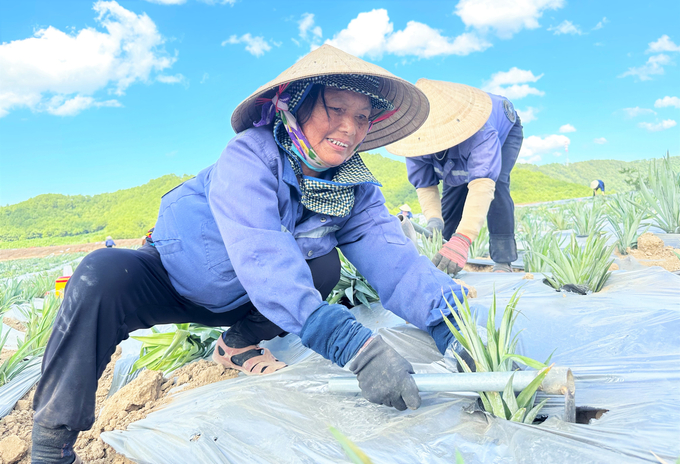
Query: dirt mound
x,y
147,393
652,252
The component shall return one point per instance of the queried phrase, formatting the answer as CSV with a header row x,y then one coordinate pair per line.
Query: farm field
x,y
579,256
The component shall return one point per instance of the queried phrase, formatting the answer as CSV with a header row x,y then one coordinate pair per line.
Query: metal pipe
x,y
555,383
558,381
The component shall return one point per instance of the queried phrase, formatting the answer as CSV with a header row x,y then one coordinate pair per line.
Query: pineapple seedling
x,y
663,195
558,219
352,285
171,350
588,217
625,215
431,245
535,247
480,246
40,322
10,293
586,266
497,356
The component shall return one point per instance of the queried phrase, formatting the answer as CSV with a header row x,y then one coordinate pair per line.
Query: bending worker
x,y
470,141
597,185
250,243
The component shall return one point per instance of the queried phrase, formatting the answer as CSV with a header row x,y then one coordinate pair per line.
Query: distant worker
x,y
597,185
406,211
109,242
471,141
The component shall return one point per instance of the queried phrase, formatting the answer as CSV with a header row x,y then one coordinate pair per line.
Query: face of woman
x,y
335,131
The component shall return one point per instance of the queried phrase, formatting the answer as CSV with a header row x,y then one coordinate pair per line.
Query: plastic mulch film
x,y
13,391
623,345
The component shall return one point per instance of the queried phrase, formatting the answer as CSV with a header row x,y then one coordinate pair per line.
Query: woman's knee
x,y
102,273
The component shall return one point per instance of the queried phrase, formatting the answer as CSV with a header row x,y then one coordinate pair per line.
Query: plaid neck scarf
x,y
334,197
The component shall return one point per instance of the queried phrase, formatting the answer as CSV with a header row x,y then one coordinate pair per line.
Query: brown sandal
x,y
265,363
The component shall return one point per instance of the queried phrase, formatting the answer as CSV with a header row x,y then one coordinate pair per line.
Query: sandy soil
x,y
41,252
652,252
147,393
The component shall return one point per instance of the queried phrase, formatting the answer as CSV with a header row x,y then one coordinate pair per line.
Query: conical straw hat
x,y
457,111
412,104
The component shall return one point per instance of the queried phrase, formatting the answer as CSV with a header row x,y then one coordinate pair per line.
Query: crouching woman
x,y
250,243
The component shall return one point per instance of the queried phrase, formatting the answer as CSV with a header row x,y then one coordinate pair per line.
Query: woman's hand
x,y
453,255
385,376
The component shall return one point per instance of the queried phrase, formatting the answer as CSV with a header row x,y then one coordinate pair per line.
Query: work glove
x,y
433,224
385,376
453,255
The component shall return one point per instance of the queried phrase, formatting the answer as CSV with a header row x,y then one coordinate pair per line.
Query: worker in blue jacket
x,y
250,243
470,142
597,185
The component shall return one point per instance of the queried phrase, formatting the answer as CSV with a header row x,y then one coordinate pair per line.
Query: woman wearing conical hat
x,y
470,142
250,243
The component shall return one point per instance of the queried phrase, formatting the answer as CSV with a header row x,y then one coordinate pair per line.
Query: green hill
x,y
584,172
55,219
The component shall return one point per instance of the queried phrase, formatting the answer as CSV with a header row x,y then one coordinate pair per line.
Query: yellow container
x,y
60,285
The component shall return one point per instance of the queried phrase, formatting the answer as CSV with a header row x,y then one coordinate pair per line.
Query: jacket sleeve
x,y
484,154
421,171
408,284
243,198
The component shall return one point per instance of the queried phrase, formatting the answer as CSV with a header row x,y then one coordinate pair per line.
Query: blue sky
x,y
99,96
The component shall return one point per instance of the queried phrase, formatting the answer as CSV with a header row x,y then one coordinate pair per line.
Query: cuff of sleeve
x,y
441,334
439,331
334,333
428,197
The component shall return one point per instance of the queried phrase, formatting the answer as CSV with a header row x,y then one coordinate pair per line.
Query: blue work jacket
x,y
478,157
236,232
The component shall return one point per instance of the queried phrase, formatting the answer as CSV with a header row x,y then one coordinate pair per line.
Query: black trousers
x,y
501,215
113,292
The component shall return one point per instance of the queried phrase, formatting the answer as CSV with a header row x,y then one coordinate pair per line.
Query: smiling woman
x,y
336,122
250,243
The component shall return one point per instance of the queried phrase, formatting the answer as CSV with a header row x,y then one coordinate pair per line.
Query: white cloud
x,y
654,66
601,24
176,79
534,146
73,66
527,115
512,84
663,44
365,35
256,46
371,33
566,27
167,2
205,78
667,101
637,111
506,17
600,140
307,27
60,106
567,128
659,126
421,40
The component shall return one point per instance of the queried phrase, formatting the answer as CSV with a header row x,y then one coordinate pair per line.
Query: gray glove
x,y
385,376
435,224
